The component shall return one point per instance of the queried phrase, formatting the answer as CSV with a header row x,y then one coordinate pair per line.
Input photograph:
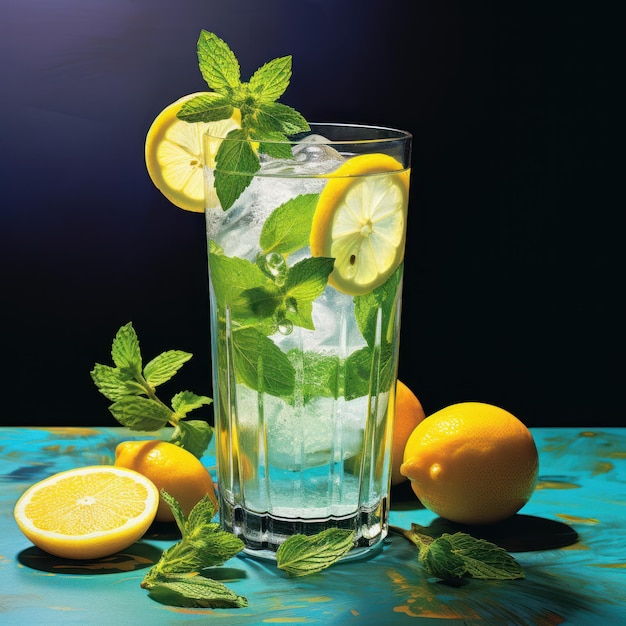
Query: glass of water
x,y
305,276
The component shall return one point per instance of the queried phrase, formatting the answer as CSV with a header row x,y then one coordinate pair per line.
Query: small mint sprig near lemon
x,y
177,579
131,387
265,123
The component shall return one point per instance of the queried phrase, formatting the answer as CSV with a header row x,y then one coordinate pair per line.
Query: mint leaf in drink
x,y
305,281
263,120
251,295
261,364
301,555
236,163
366,308
454,556
131,387
177,578
288,228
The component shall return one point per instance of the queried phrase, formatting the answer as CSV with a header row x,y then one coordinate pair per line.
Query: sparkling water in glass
x,y
303,376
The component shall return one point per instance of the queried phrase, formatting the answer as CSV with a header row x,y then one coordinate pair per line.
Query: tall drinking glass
x,y
305,277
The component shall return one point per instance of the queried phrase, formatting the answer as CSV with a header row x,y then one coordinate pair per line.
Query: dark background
x,y
514,271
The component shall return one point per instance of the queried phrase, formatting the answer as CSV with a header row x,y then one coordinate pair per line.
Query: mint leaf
x,y
453,556
194,591
218,65
164,366
235,164
206,107
484,559
263,120
250,295
324,374
175,579
186,401
288,227
385,298
441,561
271,80
261,364
132,391
193,435
138,413
306,281
114,383
301,555
125,350
274,116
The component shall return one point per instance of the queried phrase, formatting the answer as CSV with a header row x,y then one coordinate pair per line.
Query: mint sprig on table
x,y
263,120
451,557
131,387
302,555
178,578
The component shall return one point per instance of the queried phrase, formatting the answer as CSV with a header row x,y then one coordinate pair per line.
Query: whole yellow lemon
x,y
169,467
472,463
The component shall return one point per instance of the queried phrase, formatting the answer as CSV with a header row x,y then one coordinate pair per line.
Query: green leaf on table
x,y
301,555
453,556
194,590
139,413
287,228
176,579
484,559
164,366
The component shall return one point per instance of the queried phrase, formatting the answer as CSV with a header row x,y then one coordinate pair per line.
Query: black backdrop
x,y
514,272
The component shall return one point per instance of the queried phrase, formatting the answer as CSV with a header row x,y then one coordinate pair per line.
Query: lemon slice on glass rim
x,y
174,155
360,221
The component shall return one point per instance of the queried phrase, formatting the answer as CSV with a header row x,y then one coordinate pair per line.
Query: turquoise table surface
x,y
570,540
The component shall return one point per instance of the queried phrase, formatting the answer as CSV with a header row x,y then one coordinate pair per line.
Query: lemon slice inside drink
x,y
174,155
360,221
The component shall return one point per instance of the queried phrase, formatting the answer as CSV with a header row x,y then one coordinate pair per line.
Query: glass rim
x,y
386,134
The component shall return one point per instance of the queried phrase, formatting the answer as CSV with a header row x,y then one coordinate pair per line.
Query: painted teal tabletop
x,y
570,540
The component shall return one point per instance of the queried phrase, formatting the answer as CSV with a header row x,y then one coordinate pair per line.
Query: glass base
x,y
262,534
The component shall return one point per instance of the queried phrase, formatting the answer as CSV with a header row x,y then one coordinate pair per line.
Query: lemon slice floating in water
x,y
88,512
174,155
360,221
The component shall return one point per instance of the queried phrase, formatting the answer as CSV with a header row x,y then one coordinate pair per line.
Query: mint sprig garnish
x,y
264,121
178,578
451,557
302,555
131,387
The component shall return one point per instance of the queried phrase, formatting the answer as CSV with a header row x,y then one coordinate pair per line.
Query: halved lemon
x,y
174,155
360,221
88,512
